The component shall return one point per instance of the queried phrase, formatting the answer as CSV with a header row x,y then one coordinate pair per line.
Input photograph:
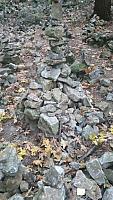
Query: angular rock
x,y
48,193
34,97
9,162
34,85
32,114
33,104
54,177
75,165
51,74
47,84
109,175
49,108
55,32
89,131
55,59
69,81
16,197
95,170
106,160
96,74
109,97
66,71
56,10
105,82
108,194
103,105
92,189
24,186
48,125
76,94
11,183
57,94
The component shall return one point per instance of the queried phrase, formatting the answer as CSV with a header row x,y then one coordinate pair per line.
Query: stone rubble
x,y
57,100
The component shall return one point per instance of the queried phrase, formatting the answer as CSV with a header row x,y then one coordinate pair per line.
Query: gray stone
x,y
54,177
34,97
1,175
66,71
33,104
24,186
56,11
110,45
106,159
11,78
94,118
57,94
4,196
47,84
47,96
34,85
5,70
105,82
109,175
31,113
51,74
96,74
95,170
55,59
75,94
89,131
16,197
75,165
109,97
48,125
48,193
55,32
92,189
69,81
48,108
9,163
11,183
103,105
108,194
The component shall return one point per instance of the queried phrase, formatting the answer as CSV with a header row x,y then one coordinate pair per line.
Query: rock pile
x,y
95,37
11,172
55,99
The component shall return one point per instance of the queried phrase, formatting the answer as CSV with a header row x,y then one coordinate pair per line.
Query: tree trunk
x,y
103,9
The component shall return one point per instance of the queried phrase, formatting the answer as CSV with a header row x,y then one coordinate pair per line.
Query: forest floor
x,y
16,131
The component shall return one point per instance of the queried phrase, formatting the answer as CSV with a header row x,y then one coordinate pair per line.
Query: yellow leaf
x,y
34,150
21,90
45,142
111,129
21,153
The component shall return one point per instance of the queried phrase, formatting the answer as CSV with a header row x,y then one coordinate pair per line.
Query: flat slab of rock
x,y
95,170
108,194
54,176
106,159
9,162
50,194
16,197
48,125
51,74
92,189
75,94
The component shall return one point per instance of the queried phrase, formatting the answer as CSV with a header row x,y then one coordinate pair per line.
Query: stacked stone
x,y
10,172
51,101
